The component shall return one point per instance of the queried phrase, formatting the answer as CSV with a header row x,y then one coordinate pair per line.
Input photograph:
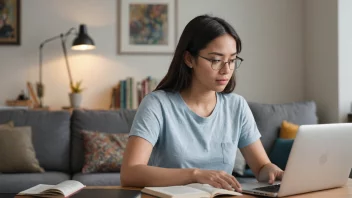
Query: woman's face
x,y
209,70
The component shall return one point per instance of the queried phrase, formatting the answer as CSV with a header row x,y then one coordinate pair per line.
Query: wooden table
x,y
342,192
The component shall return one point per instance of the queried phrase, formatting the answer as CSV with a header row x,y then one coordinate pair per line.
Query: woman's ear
x,y
188,58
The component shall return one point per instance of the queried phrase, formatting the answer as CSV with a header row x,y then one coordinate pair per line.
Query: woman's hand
x,y
270,172
217,179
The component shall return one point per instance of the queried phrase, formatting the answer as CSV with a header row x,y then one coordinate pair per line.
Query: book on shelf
x,y
146,86
128,93
63,189
194,190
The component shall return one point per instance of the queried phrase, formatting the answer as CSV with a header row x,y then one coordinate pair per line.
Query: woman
x,y
189,128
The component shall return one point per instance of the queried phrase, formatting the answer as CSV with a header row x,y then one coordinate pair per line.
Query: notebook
x,y
188,191
63,189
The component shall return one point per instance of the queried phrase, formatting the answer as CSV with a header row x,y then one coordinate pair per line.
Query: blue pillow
x,y
280,152
248,173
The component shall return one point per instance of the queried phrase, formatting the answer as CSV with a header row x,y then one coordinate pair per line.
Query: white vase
x,y
75,100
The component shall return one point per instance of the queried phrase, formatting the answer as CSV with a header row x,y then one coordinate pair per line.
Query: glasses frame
x,y
223,62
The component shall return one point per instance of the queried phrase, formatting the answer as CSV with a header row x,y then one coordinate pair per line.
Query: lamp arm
x,y
63,39
63,43
41,56
70,32
40,86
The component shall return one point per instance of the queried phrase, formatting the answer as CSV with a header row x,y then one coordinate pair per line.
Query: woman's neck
x,y
199,101
198,97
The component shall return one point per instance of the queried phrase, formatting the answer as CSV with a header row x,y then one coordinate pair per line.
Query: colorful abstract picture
x,y
148,24
9,22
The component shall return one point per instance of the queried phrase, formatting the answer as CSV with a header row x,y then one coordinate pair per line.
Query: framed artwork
x,y
147,26
10,22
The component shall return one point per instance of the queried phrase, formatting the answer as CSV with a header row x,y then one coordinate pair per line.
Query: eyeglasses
x,y
218,64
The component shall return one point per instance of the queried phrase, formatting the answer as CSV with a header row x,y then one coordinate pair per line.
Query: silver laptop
x,y
320,158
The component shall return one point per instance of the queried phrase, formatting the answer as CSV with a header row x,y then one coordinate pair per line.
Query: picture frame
x,y
10,18
147,26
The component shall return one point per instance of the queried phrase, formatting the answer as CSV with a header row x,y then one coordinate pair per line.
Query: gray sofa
x,y
59,147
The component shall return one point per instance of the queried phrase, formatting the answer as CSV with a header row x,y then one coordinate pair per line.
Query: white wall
x,y
321,58
328,57
271,30
345,61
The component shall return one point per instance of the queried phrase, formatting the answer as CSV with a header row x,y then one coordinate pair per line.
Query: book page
x,y
36,190
67,187
213,191
176,191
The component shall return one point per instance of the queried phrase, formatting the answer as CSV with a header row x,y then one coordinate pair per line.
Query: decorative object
x,y
22,100
75,99
103,151
147,26
19,103
81,42
32,94
75,95
10,27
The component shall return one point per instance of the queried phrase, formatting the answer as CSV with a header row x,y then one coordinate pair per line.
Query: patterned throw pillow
x,y
103,152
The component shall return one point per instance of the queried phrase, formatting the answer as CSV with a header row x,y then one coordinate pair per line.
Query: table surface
x,y
342,192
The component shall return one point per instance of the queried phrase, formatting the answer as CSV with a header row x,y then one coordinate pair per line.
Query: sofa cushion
x,y
6,125
107,121
50,135
288,130
240,164
14,182
280,152
270,116
16,151
98,179
103,152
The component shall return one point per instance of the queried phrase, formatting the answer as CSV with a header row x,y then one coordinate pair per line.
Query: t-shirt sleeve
x,y
147,122
249,130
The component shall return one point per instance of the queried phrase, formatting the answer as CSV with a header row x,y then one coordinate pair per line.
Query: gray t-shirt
x,y
183,139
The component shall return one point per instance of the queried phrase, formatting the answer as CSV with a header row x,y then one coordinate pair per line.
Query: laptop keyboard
x,y
272,188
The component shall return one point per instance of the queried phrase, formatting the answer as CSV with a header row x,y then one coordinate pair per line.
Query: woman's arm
x,y
135,171
258,161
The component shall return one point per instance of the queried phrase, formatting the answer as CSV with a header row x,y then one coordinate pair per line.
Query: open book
x,y
63,189
188,191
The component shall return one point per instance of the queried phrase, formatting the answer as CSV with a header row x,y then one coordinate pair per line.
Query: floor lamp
x,y
81,42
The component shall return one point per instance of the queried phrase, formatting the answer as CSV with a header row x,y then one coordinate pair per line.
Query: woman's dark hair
x,y
198,33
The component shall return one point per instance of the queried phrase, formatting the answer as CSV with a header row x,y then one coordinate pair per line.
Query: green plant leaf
x,y
76,87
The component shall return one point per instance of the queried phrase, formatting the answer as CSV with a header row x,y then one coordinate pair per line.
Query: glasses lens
x,y
238,63
216,65
232,64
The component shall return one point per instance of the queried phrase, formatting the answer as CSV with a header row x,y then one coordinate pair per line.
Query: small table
x,y
7,195
342,192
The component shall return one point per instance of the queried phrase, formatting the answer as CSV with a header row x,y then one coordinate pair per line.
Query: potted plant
x,y
76,94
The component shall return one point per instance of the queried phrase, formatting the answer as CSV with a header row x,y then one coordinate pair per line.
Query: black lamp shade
x,y
83,41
